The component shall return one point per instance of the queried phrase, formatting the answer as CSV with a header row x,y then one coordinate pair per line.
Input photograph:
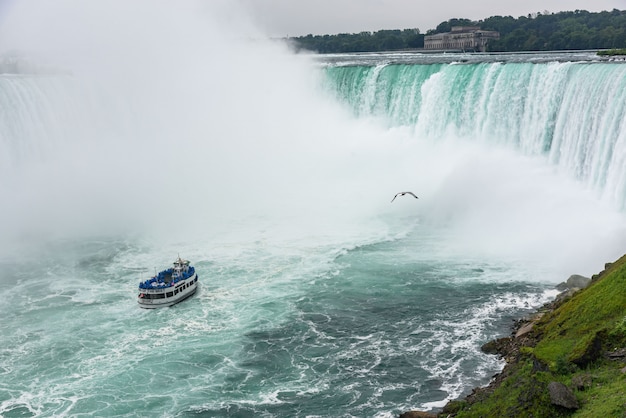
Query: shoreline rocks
x,y
575,281
508,348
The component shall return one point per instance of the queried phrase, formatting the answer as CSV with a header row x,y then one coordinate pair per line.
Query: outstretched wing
x,y
402,194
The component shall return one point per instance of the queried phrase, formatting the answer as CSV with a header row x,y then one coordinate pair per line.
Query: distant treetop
x,y
545,31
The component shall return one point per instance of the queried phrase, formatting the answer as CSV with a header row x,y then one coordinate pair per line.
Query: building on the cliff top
x,y
464,38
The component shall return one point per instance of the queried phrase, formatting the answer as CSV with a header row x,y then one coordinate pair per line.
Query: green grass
x,y
612,52
524,394
573,339
607,395
600,309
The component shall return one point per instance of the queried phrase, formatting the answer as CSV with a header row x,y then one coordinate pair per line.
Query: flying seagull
x,y
402,194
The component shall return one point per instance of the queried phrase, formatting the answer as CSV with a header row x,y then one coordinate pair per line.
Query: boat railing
x,y
157,282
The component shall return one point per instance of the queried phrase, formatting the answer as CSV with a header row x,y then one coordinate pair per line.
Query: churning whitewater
x,y
273,173
570,109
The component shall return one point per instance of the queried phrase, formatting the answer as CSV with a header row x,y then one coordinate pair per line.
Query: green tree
x,y
577,29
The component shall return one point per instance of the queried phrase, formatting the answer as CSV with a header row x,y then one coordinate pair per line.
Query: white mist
x,y
184,118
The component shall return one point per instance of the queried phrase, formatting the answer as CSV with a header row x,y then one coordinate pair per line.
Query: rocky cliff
x,y
569,359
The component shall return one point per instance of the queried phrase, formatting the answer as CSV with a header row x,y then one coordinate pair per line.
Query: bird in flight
x,y
402,194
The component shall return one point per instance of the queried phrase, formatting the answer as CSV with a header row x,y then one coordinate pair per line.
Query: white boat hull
x,y
160,298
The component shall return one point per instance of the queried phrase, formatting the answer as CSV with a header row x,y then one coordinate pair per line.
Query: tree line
x,y
546,31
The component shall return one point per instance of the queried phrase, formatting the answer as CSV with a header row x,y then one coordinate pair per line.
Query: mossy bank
x,y
569,360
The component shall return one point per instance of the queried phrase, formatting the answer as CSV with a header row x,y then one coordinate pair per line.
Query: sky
x,y
281,18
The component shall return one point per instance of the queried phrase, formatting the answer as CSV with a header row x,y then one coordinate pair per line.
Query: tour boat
x,y
169,286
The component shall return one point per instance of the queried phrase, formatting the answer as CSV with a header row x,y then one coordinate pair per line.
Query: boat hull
x,y
161,298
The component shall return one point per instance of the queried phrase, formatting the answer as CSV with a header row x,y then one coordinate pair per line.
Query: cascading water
x,y
318,297
573,113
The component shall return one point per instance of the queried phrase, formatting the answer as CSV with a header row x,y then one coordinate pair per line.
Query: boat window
x,y
169,294
160,296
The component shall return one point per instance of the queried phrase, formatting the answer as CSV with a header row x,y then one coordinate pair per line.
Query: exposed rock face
x,y
564,295
575,281
517,349
525,329
560,395
417,414
617,354
590,351
498,346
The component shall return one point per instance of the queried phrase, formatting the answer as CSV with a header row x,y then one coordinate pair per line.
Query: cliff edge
x,y
567,360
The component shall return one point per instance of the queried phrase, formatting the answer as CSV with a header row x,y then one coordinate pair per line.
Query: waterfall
x,y
572,113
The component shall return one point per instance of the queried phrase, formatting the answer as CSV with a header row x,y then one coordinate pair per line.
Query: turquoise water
x,y
371,331
568,108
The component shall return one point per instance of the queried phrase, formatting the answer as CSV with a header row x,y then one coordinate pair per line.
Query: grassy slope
x,y
572,341
612,52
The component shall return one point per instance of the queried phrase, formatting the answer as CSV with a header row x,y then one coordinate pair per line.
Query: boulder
x,y
575,281
417,414
500,346
564,295
578,281
617,354
561,287
560,395
524,329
